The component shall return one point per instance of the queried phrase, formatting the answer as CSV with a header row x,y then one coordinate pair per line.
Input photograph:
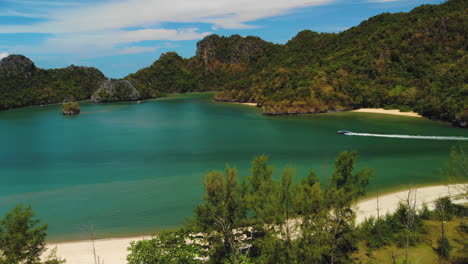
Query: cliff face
x,y
231,50
116,90
17,66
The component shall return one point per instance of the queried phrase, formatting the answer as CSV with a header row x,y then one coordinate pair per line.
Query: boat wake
x,y
405,136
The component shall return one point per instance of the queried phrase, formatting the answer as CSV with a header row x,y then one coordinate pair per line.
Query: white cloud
x,y
44,3
103,27
136,49
145,13
4,55
107,43
13,13
382,1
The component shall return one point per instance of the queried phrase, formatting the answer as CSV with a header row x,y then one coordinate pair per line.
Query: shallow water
x,y
129,168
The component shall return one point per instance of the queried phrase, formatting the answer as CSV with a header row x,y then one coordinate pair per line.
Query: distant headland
x,y
413,61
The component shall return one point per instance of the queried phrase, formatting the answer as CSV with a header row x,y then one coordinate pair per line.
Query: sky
x,y
121,36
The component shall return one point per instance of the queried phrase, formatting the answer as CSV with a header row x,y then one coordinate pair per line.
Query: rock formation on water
x,y
71,108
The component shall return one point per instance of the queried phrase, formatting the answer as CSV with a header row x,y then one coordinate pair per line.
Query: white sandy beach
x,y
388,112
114,251
249,104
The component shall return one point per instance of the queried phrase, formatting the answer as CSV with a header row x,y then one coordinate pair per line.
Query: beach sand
x,y
114,251
249,104
384,111
388,203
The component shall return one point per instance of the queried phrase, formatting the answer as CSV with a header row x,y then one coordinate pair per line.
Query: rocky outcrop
x,y
17,66
23,84
116,90
71,108
229,50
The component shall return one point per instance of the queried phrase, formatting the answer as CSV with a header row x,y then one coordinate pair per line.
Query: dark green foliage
x,y
220,214
391,229
343,177
22,238
444,247
409,61
22,84
165,248
264,220
71,108
265,213
170,74
445,210
425,213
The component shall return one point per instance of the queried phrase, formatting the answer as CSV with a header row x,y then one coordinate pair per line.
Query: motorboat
x,y
344,132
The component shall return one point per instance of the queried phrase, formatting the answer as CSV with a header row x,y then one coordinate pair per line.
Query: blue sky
x,y
122,36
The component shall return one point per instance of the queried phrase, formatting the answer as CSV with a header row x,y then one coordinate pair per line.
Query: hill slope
x,y
411,61
23,84
414,61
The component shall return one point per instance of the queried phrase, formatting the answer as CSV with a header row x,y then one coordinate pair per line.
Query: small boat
x,y
344,132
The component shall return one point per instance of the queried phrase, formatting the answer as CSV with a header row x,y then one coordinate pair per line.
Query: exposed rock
x,y
116,90
18,66
231,50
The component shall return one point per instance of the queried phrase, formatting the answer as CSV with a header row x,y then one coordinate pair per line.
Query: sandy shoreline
x,y
388,203
114,250
388,112
249,104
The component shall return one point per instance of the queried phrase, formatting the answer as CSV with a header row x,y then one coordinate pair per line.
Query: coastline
x,y
249,104
360,110
388,203
88,100
114,250
385,111
239,103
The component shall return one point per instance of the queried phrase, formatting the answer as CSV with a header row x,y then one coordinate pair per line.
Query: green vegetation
x,y
71,108
22,238
408,61
167,248
22,84
411,61
264,219
435,236
170,74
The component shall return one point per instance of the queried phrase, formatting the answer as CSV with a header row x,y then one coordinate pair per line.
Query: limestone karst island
x,y
233,132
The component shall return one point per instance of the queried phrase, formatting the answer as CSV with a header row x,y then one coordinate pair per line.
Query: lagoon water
x,y
129,169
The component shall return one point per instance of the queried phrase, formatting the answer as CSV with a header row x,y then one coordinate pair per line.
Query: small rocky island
x,y
71,108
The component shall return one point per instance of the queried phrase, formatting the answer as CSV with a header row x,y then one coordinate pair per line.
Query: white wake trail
x,y
406,136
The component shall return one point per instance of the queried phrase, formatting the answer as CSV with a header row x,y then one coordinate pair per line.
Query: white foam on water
x,y
405,136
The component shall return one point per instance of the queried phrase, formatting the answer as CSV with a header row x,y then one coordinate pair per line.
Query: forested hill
x,y
411,61
23,84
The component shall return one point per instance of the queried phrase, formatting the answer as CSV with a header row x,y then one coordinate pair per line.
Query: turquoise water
x,y
129,168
